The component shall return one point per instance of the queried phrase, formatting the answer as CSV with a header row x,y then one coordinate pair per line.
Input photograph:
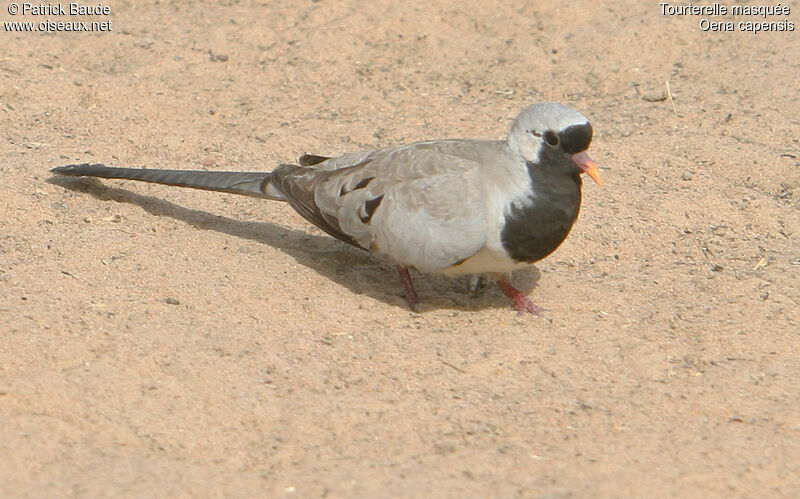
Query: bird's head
x,y
550,132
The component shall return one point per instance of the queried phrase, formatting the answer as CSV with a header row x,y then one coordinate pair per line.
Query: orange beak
x,y
588,166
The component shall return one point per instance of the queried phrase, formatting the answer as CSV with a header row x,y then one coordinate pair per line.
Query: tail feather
x,y
255,184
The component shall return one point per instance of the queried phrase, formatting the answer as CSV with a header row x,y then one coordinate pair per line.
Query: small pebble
x,y
655,95
687,175
172,301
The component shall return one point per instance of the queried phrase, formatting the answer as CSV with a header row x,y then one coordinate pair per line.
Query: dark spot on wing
x,y
369,208
359,185
363,183
576,138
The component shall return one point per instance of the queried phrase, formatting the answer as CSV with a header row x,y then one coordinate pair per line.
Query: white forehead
x,y
547,116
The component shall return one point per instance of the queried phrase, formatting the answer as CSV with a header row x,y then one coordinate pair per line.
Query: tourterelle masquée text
x,y
750,18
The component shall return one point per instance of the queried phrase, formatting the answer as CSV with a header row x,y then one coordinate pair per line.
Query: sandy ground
x,y
160,341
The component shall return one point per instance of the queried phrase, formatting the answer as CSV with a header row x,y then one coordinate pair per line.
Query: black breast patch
x,y
534,230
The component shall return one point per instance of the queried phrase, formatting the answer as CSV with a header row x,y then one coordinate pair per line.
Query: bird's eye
x,y
551,138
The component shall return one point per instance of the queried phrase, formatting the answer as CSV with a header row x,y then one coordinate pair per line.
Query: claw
x,y
477,284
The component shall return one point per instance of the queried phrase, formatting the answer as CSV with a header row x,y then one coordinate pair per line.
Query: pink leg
x,y
411,294
521,302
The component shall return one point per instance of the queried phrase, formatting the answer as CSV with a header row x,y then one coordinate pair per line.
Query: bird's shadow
x,y
355,269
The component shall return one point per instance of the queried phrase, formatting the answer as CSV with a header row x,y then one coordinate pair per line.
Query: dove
x,y
452,207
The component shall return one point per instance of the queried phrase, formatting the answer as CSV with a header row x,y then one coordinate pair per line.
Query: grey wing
x,y
420,205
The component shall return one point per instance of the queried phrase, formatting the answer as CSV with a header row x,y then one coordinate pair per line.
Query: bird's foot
x,y
477,285
411,294
522,303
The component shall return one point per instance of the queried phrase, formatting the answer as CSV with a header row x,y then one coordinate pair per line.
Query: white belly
x,y
485,261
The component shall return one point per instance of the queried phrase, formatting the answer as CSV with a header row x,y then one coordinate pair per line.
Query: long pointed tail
x,y
256,184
